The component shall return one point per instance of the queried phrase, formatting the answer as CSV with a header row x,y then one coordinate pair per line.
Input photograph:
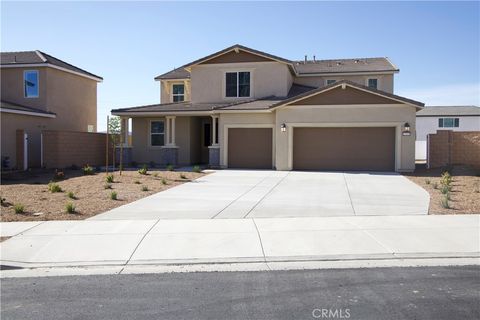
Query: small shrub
x,y
155,174
170,167
182,176
144,188
113,195
19,208
58,175
445,189
107,186
53,187
137,182
196,169
476,187
3,201
427,181
88,170
109,178
71,195
164,181
444,202
70,208
446,179
144,170
435,185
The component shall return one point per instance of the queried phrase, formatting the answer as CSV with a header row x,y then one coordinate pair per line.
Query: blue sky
x,y
435,44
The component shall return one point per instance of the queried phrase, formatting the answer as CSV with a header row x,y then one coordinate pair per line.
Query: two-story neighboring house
x,y
433,118
41,92
243,108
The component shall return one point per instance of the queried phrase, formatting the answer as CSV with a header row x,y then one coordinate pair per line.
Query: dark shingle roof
x,y
14,106
178,73
431,111
39,57
345,66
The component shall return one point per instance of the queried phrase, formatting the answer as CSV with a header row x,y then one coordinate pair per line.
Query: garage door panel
x,y
344,149
250,148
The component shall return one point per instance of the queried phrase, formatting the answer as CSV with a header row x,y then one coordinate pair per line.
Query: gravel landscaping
x,y
83,195
464,194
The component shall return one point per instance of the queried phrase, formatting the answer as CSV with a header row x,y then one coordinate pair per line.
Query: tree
x,y
115,132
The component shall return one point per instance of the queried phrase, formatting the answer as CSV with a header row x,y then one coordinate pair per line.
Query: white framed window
x,y
30,83
330,81
448,122
178,92
237,84
372,83
157,133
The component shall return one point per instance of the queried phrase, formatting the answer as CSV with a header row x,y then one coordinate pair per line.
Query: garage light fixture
x,y
283,127
406,129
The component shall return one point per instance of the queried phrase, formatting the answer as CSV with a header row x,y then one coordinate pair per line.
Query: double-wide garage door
x,y
371,149
250,148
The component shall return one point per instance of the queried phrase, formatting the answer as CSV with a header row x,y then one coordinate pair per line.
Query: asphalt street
x,y
377,293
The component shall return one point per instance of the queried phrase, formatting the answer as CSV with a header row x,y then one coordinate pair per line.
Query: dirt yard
x,y
465,193
91,193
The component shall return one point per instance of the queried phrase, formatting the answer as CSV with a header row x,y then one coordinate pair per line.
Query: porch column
x,y
214,130
170,128
125,130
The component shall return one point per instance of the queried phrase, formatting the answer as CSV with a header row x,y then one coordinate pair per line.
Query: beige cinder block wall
x,y
361,115
267,79
32,126
142,152
385,81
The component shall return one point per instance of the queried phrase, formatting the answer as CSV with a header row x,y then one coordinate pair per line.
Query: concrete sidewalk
x,y
160,242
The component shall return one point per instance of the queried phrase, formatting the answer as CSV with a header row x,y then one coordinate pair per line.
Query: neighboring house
x,y
40,92
243,108
433,118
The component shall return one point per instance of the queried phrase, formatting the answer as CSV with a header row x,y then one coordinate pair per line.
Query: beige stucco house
x,y
41,92
243,108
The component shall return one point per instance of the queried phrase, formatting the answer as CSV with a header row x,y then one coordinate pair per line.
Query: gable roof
x,y
432,111
39,58
299,68
343,83
6,106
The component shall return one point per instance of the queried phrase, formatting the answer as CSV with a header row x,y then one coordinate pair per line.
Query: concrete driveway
x,y
277,194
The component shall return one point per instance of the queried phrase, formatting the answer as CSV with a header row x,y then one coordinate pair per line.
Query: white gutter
x,y
28,113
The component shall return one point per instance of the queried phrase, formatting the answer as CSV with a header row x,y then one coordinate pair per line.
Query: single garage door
x,y
344,149
250,148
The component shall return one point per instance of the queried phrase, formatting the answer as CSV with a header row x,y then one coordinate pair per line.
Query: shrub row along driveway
x,y
276,194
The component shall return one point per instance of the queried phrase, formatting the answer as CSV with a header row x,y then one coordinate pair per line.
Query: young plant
x,y
19,208
196,169
182,176
88,170
53,187
445,189
427,181
144,188
70,208
144,170
435,185
58,175
444,202
164,181
107,186
170,167
109,178
71,195
137,182
113,195
446,179
155,174
476,187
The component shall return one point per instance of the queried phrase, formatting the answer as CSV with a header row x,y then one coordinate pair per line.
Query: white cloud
x,y
456,94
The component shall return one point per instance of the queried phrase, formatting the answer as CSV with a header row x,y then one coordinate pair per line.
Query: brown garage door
x,y
250,148
344,149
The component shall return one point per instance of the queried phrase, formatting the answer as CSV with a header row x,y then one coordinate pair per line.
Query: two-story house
x,y
41,92
243,108
433,118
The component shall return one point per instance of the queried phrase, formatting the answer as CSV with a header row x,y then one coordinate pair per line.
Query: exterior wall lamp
x,y
283,127
406,129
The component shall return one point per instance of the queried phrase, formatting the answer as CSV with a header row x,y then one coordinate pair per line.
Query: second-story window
x,y
448,122
330,81
373,83
178,92
30,84
237,84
